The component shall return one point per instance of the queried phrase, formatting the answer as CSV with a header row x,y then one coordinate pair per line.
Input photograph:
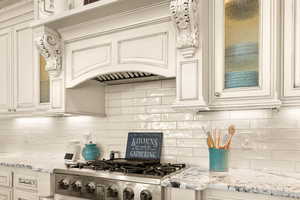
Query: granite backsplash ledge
x,y
266,139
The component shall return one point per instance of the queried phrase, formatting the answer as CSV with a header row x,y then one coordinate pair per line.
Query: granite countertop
x,y
37,162
238,180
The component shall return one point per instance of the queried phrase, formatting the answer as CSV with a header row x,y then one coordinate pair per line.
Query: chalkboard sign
x,y
144,146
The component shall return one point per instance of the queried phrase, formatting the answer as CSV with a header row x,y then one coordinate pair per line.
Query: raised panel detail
x,y
86,59
24,68
179,194
25,182
149,50
297,42
5,194
4,69
188,80
25,195
5,178
291,53
57,94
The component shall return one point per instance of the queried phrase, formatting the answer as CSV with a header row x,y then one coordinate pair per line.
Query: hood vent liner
x,y
123,76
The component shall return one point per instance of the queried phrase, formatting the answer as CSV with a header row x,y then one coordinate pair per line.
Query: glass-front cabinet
x,y
290,89
44,97
244,41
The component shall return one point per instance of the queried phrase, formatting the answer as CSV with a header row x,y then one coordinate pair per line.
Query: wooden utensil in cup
x,y
231,132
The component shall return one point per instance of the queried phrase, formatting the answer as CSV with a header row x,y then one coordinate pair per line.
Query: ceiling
x,y
4,3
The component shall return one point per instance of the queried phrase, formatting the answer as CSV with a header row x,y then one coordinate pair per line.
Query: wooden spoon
x,y
231,132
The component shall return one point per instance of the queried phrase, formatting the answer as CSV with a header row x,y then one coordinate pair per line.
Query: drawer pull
x,y
27,181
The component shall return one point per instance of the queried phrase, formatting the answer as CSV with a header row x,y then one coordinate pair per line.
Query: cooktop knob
x,y
91,187
64,184
77,185
146,195
128,194
112,191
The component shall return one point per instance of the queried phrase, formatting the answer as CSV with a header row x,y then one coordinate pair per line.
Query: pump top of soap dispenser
x,y
88,138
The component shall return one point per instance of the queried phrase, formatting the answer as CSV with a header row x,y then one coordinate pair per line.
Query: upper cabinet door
x,y
5,69
24,98
291,52
244,54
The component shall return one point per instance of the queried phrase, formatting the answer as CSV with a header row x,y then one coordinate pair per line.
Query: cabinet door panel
x,y
24,69
179,194
291,53
24,195
5,69
244,49
25,182
213,194
5,194
5,178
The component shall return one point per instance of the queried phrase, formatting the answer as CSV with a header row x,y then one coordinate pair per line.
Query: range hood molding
x,y
124,44
160,39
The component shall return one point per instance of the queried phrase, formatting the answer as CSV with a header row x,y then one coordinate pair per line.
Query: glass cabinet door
x,y
244,53
44,82
241,43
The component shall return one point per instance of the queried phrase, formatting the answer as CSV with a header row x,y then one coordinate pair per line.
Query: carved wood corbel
x,y
185,17
49,45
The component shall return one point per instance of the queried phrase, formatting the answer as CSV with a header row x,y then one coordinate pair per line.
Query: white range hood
x,y
121,40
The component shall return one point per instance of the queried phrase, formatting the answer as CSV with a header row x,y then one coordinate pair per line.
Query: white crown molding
x,y
185,17
50,47
15,10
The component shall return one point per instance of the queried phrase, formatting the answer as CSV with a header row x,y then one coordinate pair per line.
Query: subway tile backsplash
x,y
266,139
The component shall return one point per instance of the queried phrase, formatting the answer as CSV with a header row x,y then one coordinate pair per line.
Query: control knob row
x,y
77,185
128,194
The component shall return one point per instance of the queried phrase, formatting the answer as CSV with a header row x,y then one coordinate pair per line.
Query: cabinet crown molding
x,y
49,45
185,17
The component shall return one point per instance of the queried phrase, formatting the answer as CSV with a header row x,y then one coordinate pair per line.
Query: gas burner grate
x,y
151,168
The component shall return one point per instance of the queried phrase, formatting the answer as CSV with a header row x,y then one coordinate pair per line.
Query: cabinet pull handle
x,y
217,94
9,110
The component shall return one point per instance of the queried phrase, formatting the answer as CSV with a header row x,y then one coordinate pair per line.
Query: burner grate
x,y
132,167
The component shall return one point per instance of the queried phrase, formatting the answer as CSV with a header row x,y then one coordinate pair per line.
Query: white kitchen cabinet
x,y
180,194
192,81
5,194
244,43
24,195
6,178
5,68
23,68
24,181
24,184
17,79
16,59
226,195
290,90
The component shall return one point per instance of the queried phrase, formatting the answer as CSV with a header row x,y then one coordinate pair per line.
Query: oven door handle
x,y
101,192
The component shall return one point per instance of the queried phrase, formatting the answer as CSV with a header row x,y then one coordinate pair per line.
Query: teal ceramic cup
x,y
218,160
90,152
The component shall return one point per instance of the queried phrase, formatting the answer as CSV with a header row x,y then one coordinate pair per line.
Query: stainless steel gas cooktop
x,y
117,179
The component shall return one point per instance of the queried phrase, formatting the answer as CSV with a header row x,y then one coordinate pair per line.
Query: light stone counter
x,y
37,162
250,181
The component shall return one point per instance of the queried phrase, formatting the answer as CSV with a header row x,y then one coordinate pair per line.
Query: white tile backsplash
x,y
266,139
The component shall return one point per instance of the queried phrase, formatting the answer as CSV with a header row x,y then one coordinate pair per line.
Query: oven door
x,y
62,197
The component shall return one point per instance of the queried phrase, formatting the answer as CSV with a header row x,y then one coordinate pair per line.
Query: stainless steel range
x,y
114,179
137,177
